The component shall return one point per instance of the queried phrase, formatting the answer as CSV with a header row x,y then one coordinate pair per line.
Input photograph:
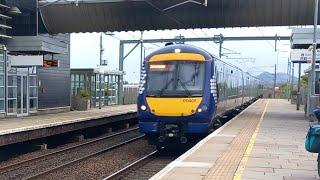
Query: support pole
x,y
275,43
220,46
100,85
275,81
298,92
101,49
120,81
141,52
313,78
292,80
289,82
135,46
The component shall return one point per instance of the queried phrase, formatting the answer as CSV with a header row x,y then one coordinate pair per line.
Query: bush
x,y
84,93
294,92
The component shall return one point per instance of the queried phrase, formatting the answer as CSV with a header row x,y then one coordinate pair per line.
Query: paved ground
x,y
266,141
12,125
278,151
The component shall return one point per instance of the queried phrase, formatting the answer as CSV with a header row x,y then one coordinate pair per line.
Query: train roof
x,y
183,48
188,48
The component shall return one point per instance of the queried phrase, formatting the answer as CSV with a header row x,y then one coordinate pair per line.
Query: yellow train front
x,y
180,96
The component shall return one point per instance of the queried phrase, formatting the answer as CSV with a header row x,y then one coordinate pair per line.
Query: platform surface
x,y
266,141
14,125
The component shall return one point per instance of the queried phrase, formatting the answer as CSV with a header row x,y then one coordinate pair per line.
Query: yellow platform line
x,y
246,155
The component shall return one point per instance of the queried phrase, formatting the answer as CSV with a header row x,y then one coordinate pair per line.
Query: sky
x,y
85,49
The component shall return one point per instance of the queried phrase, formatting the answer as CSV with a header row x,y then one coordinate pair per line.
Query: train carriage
x,y
184,90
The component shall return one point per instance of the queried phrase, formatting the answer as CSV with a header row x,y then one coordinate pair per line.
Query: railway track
x,y
84,158
7,170
145,167
149,165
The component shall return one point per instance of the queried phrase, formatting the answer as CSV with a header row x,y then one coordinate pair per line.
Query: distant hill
x,y
268,78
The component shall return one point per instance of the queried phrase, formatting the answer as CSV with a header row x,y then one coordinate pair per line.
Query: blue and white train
x,y
185,90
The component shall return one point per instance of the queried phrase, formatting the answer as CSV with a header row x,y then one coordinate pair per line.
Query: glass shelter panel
x,y
12,94
99,86
33,93
112,94
2,81
22,91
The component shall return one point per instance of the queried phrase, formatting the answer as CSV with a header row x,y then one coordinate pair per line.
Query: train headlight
x,y
143,107
202,108
177,50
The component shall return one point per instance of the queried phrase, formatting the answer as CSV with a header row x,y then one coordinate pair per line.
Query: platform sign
x,y
303,55
50,63
25,61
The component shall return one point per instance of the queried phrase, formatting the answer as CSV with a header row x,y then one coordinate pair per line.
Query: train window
x,y
160,76
176,78
191,75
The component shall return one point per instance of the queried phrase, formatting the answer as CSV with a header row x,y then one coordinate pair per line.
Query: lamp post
x,y
288,80
102,63
275,81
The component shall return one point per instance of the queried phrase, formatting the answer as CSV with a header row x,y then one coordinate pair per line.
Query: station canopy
x,y
130,15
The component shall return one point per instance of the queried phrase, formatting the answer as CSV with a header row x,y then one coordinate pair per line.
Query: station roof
x,y
131,15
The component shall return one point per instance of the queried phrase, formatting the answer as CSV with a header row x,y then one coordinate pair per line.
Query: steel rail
x,y
121,171
85,157
14,166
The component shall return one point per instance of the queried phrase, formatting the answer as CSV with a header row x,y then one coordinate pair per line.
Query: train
x,y
185,92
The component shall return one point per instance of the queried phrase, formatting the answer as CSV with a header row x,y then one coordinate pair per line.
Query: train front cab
x,y
176,95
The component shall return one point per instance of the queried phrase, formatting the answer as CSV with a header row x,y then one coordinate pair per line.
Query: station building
x,y
34,66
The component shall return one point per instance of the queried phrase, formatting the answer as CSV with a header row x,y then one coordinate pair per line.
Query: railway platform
x,y
15,130
265,141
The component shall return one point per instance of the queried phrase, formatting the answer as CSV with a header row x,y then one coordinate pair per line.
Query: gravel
x,y
44,164
149,167
101,166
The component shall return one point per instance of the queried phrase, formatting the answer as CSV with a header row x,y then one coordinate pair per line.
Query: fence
x,y
130,94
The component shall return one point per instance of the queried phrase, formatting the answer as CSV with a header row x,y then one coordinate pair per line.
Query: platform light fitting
x,y
14,11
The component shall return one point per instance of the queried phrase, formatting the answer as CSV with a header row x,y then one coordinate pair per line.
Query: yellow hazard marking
x,y
246,155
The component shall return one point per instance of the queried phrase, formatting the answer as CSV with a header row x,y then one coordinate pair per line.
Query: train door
x,y
220,87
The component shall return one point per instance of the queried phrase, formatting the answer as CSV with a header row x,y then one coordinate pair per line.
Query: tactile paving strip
x,y
226,166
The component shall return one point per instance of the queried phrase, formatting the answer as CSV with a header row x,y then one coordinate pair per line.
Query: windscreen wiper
x,y
165,87
185,88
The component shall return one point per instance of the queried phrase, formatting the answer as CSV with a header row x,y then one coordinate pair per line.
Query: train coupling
x,y
172,131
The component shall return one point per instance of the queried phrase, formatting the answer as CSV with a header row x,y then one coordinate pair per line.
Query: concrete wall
x,y
54,82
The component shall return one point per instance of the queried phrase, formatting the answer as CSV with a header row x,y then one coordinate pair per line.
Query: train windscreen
x,y
176,78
